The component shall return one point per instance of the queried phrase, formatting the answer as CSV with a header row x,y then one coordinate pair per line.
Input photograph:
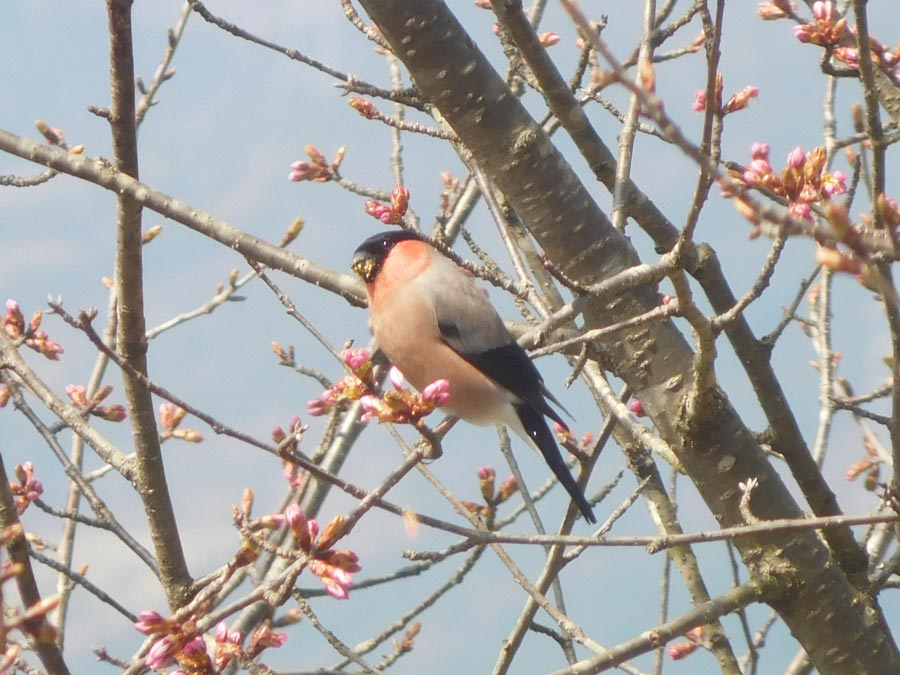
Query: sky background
x,y
222,138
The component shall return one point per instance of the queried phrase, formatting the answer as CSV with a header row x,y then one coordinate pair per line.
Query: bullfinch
x,y
432,322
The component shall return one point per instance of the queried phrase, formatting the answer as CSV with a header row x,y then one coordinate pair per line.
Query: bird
x,y
433,322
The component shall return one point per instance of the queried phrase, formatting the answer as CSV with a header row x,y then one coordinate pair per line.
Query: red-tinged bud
x,y
357,359
314,154
823,11
397,379
805,32
35,321
507,489
4,395
760,151
364,107
296,520
189,435
14,322
636,407
858,468
769,11
373,208
291,233
77,394
486,476
742,99
102,393
665,298
800,210
438,393
332,532
247,554
247,501
399,200
53,135
563,433
151,621
796,158
699,101
151,234
836,260
549,38
162,653
111,413
681,649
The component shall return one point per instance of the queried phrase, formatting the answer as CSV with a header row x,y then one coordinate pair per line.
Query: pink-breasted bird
x,y
433,322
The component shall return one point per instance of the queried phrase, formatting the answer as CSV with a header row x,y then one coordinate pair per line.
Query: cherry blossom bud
x,y
291,233
804,32
4,395
699,101
823,11
151,234
364,107
161,654
438,392
486,476
549,38
800,210
636,407
356,358
760,151
150,622
397,379
796,158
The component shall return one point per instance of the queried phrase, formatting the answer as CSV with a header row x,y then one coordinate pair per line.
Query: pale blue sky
x,y
222,138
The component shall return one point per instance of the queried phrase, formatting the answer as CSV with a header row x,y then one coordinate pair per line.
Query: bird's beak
x,y
365,266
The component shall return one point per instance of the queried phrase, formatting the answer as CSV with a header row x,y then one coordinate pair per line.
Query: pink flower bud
x,y
397,379
823,11
801,210
796,158
438,392
549,38
760,151
486,473
699,101
637,408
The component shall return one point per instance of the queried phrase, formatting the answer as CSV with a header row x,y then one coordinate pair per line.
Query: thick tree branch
x,y
132,344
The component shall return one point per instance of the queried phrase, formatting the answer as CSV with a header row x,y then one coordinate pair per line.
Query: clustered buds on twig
x,y
15,326
696,638
170,417
316,169
803,181
491,496
390,214
738,101
77,394
27,489
183,643
830,31
399,405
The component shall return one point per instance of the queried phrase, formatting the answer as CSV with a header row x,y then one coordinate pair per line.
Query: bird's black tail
x,y
536,427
